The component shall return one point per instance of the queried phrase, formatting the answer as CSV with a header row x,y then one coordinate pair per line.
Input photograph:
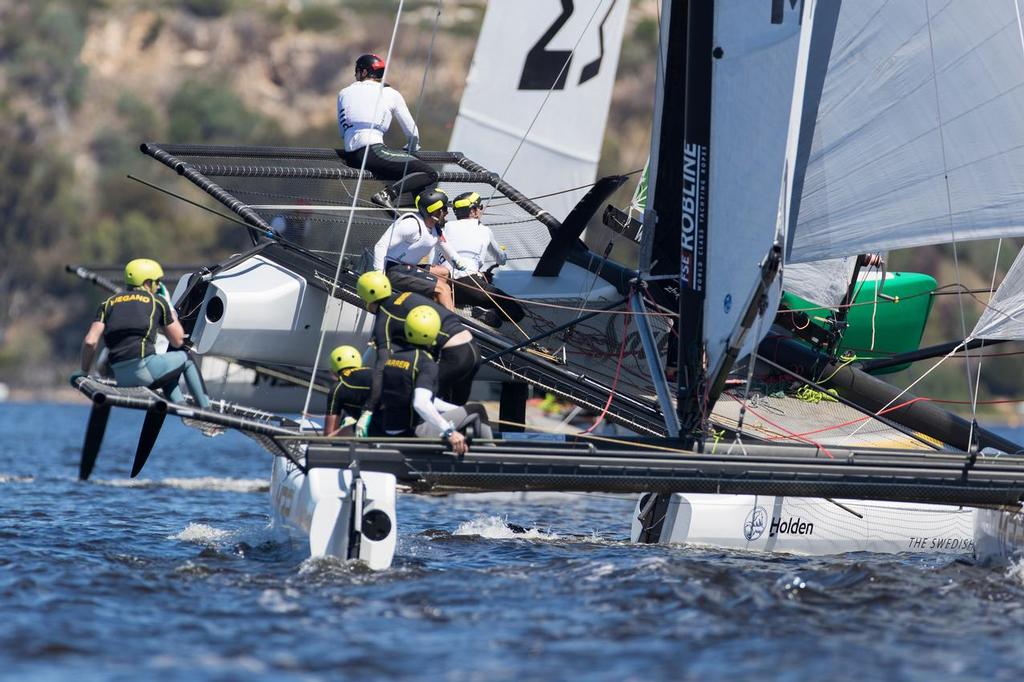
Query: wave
x,y
200,533
498,528
214,483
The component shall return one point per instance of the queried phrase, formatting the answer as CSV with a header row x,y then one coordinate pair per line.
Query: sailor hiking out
x,y
365,110
453,346
472,243
413,237
128,323
408,404
349,394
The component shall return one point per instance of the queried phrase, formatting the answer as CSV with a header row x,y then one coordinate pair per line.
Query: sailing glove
x,y
363,425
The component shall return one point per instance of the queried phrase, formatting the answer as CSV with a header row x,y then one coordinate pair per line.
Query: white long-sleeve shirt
x,y
363,122
430,408
472,242
408,240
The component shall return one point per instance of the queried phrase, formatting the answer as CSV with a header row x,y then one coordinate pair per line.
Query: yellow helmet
x,y
344,357
422,326
141,269
373,286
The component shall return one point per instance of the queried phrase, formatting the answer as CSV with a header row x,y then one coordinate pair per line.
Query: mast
x,y
692,206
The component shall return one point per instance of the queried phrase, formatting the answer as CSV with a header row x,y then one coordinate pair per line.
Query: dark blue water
x,y
176,576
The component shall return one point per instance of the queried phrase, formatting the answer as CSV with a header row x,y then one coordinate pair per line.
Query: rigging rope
x,y
351,215
905,390
547,96
949,209
615,381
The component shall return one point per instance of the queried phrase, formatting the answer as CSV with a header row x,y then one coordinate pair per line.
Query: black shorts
x,y
405,277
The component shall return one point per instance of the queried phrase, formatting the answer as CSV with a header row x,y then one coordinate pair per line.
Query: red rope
x,y
784,429
618,369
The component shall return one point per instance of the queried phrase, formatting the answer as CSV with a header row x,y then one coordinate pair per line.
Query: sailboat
x,y
733,186
886,147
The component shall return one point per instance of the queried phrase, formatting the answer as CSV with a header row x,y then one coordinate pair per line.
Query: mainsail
x,y
918,130
537,66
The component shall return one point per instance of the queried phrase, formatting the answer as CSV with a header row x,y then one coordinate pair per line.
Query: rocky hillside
x,y
82,83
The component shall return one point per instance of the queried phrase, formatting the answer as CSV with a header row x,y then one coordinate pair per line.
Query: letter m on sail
x,y
779,9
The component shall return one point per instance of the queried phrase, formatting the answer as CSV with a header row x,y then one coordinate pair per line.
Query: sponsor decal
x,y
941,543
131,298
755,523
790,526
695,184
779,8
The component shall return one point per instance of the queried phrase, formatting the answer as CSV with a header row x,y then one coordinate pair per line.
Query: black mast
x,y
692,207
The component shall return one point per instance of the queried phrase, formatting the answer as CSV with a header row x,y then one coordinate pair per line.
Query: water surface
x,y
176,575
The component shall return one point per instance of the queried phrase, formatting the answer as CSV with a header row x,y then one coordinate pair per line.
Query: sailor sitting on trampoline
x,y
128,322
347,397
472,243
412,237
365,111
408,405
453,346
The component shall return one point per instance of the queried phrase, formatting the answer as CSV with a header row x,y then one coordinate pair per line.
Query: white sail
x,y
752,93
823,282
919,132
1003,318
520,89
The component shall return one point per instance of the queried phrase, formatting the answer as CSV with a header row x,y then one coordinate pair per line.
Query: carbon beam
x,y
873,395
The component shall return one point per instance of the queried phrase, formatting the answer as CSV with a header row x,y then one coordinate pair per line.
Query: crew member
x,y
410,379
454,348
128,323
473,242
365,109
347,397
412,237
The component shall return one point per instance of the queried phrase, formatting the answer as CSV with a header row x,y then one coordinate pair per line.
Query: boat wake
x,y
200,533
1015,571
498,528
10,478
213,483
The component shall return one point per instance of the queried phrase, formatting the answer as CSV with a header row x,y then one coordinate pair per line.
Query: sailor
x,y
473,242
347,397
412,237
128,323
410,378
365,110
454,348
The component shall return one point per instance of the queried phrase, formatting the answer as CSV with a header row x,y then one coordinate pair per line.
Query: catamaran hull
x,y
999,535
812,526
336,513
262,311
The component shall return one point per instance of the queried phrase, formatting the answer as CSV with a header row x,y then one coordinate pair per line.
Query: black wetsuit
x,y
349,394
458,364
406,369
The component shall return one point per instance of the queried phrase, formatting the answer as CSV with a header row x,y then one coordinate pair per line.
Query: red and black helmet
x,y
372,64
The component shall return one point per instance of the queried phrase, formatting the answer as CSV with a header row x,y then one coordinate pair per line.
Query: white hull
x,y
999,535
262,312
813,526
336,513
